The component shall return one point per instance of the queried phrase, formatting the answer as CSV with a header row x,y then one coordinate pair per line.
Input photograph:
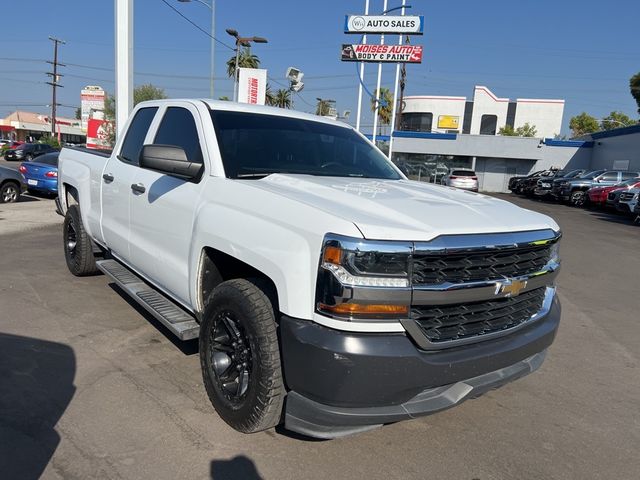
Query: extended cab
x,y
328,292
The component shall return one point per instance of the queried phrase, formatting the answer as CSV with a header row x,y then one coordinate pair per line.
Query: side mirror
x,y
169,159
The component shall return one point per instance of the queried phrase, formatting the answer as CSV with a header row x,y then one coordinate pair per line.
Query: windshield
x,y
592,175
256,145
628,183
573,173
24,146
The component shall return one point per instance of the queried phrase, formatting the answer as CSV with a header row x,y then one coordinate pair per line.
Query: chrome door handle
x,y
108,178
138,187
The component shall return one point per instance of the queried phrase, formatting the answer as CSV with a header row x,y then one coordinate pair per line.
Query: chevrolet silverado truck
x,y
328,292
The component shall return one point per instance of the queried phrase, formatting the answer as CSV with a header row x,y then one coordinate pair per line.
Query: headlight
x,y
366,279
555,252
545,185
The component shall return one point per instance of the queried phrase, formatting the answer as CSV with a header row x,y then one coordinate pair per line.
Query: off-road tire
x,y
78,249
260,407
9,192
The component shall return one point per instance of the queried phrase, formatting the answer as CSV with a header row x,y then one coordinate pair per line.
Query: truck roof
x,y
248,108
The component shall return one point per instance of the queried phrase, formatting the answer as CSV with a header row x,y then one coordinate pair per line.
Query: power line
x,y
196,25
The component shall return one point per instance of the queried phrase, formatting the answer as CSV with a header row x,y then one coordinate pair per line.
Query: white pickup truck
x,y
328,291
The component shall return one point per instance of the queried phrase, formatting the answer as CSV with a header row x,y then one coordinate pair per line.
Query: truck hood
x,y
404,209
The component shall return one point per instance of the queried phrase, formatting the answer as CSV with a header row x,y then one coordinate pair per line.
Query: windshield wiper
x,y
254,175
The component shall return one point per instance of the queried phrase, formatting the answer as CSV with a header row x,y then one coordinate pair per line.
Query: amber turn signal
x,y
332,255
358,309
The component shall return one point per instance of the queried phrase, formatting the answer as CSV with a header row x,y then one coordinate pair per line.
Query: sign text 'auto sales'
x,y
408,24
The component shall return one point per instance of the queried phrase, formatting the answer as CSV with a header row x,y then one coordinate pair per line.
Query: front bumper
x,y
342,382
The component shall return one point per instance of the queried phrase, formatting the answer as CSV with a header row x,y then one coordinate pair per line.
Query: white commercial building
x,y
486,114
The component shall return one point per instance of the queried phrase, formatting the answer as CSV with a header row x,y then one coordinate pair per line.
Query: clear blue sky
x,y
581,51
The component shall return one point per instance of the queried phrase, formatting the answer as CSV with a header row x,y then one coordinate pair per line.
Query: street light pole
x,y
241,42
212,7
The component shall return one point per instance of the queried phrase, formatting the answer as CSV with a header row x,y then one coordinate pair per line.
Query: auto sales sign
x,y
382,53
405,25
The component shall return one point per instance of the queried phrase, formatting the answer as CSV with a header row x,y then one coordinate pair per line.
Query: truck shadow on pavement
x,y
239,467
36,386
188,347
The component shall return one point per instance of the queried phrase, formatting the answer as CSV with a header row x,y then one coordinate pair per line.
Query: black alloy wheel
x,y
240,355
230,355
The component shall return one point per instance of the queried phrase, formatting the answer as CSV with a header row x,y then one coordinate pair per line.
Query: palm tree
x,y
269,97
385,107
245,60
282,98
322,107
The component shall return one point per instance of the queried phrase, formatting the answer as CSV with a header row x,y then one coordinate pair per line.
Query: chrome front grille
x,y
467,288
445,323
470,267
626,196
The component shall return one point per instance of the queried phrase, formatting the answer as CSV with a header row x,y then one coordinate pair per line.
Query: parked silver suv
x,y
460,178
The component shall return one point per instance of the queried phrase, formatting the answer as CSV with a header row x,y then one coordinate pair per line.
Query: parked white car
x,y
460,178
629,200
309,266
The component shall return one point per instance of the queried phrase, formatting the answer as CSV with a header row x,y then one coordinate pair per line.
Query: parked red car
x,y
598,195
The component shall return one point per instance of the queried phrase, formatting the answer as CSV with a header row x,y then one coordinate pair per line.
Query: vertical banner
x,y
92,99
252,85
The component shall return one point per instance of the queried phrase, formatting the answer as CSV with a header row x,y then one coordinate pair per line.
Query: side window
x,y
178,128
629,175
130,151
488,124
609,177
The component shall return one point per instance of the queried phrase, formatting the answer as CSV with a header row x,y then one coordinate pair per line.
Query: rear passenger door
x,y
116,182
162,216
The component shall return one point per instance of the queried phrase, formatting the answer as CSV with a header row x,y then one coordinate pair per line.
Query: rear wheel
x,y
240,356
78,249
10,192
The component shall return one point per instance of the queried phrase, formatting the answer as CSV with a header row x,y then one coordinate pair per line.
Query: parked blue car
x,y
41,176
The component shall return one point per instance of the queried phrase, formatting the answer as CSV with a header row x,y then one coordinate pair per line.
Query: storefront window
x,y
416,122
488,124
429,168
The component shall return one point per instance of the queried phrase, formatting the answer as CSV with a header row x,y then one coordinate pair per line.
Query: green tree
x,y
78,113
269,97
49,140
385,106
323,107
224,99
634,86
616,120
583,124
507,131
141,93
282,98
525,130
245,60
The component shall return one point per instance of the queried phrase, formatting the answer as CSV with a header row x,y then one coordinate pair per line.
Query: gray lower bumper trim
x,y
323,421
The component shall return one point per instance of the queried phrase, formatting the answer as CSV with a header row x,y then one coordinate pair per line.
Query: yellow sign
x,y
450,122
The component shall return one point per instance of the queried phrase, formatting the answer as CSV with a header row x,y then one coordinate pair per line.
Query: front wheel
x,y
78,249
240,357
577,198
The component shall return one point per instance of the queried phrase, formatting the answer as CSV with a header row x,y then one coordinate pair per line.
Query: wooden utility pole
x,y
55,79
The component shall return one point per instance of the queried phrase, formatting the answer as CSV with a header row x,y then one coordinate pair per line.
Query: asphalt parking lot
x,y
92,387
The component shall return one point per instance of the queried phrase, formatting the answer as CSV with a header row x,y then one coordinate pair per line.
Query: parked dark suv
x,y
28,151
575,190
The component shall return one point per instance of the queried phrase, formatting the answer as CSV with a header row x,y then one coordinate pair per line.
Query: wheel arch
x,y
215,267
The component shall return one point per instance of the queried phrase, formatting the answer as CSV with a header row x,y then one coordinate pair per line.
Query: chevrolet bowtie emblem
x,y
511,288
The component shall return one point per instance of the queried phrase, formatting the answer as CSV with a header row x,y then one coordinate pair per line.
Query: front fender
x,y
277,236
